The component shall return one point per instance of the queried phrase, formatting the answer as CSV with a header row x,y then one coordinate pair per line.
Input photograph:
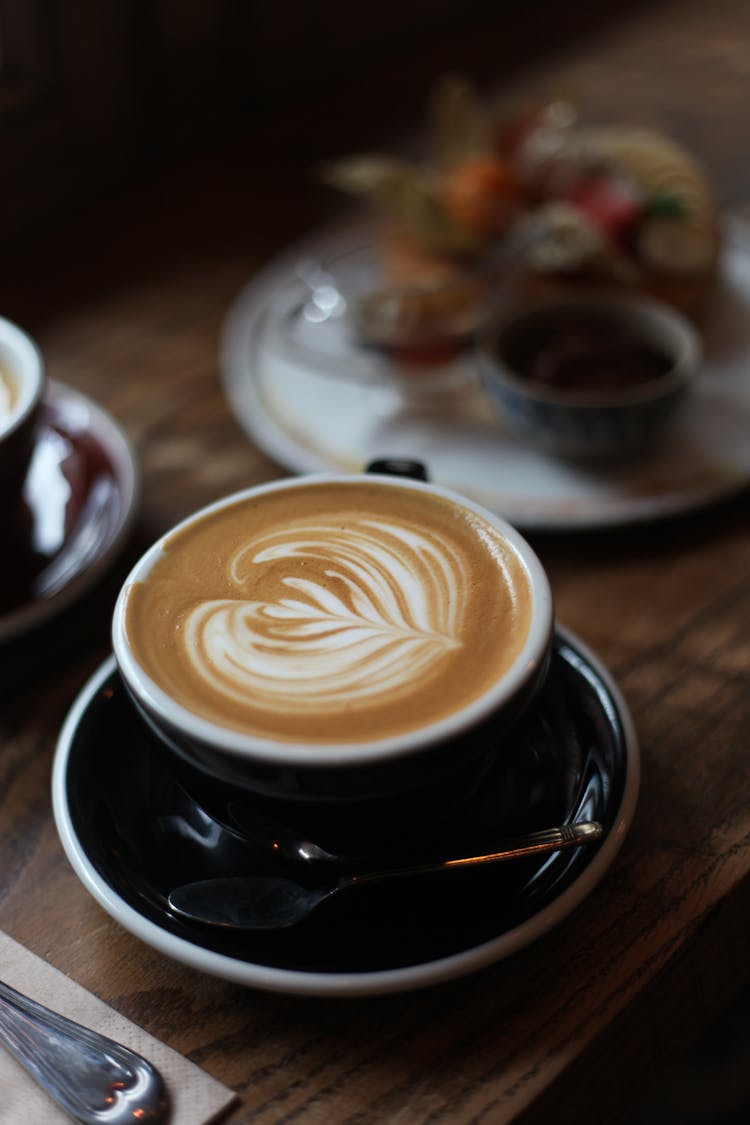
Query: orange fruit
x,y
482,195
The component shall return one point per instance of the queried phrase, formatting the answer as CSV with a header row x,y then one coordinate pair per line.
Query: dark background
x,y
97,95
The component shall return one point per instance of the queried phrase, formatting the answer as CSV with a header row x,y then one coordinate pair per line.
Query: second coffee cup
x,y
22,381
335,637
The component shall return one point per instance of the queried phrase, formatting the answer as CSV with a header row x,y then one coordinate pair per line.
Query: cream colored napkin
x,y
196,1097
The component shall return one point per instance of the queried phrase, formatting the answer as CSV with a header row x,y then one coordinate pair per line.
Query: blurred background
x,y
96,97
140,132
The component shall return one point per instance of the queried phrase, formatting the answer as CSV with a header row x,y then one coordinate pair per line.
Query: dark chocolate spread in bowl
x,y
592,357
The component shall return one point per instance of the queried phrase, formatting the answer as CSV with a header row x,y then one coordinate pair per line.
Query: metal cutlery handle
x,y
547,839
531,843
94,1079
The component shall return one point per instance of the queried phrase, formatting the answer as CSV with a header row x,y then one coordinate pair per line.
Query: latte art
x,y
333,613
390,607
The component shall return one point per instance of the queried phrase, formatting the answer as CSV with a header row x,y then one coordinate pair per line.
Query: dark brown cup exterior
x,y
16,449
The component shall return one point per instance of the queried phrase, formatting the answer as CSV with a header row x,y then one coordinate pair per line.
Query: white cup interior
x,y
21,363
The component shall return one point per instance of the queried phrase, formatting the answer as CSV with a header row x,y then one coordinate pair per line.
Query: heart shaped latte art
x,y
349,614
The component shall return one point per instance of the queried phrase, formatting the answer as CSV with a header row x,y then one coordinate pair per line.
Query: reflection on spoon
x,y
247,902
92,1078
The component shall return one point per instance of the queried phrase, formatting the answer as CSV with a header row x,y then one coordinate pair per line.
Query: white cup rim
x,y
283,753
19,352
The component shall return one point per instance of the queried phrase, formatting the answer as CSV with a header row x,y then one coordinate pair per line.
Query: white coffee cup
x,y
22,380
350,767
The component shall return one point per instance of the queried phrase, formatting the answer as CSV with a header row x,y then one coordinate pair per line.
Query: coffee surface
x,y
8,395
338,612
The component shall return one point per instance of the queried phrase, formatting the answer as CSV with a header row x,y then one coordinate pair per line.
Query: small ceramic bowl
x,y
588,375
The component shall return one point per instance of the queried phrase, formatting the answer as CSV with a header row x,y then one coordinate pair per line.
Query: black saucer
x,y
133,831
77,505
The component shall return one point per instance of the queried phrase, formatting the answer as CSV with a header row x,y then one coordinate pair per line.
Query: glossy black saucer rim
x,y
111,835
99,438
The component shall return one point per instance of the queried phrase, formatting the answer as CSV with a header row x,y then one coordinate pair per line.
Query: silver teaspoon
x,y
250,902
95,1080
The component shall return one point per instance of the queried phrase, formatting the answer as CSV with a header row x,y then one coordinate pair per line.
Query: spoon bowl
x,y
243,902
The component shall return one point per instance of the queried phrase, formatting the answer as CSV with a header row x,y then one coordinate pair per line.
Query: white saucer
x,y
131,832
336,408
80,497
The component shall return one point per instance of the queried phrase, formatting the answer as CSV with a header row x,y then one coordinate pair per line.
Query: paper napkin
x,y
196,1097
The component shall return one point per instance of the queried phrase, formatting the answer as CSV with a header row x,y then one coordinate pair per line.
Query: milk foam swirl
x,y
354,612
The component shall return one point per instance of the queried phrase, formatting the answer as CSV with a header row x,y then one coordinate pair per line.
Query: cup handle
x,y
398,467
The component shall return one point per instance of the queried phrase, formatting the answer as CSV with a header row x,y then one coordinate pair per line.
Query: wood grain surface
x,y
126,300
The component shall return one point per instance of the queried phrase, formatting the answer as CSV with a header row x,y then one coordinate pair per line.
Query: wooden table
x,y
126,302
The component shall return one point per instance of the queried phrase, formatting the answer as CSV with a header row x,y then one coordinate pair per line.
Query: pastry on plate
x,y
609,205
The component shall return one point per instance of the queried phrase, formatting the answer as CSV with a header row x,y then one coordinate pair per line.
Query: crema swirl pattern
x,y
386,603
330,613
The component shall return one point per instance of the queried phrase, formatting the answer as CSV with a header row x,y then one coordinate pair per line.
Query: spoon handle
x,y
548,839
531,843
268,902
92,1078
